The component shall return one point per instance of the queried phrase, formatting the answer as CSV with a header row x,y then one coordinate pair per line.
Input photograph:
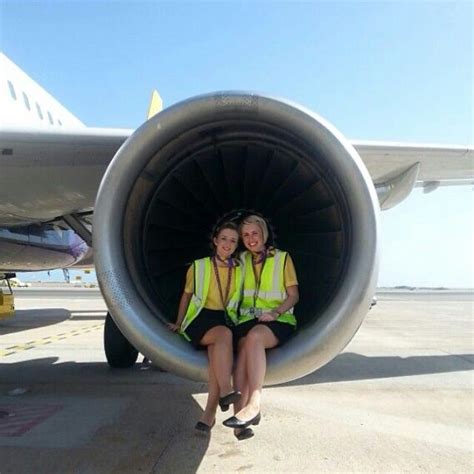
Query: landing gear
x,y
119,352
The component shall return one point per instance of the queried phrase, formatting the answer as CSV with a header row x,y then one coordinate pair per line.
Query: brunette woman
x,y
206,313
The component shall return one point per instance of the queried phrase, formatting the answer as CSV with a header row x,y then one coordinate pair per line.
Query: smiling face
x,y
252,237
226,243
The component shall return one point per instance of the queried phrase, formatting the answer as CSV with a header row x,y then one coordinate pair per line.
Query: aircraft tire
x,y
119,352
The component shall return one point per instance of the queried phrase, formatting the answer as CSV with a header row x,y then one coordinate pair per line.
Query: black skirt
x,y
282,331
205,320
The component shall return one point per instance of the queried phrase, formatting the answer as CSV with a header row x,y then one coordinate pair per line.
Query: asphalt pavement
x,y
398,399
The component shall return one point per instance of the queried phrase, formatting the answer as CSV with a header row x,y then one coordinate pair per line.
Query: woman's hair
x,y
260,221
220,227
225,225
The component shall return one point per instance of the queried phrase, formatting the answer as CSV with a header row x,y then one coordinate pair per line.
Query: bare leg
x,y
209,414
257,341
220,337
240,377
240,380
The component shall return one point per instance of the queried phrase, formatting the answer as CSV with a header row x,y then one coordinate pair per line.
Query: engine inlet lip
x,y
319,342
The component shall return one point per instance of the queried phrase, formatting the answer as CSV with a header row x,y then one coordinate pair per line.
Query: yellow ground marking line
x,y
47,340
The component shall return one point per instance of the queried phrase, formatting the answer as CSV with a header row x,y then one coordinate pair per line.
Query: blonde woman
x,y
266,320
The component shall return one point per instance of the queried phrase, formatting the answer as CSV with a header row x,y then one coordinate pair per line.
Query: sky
x,y
396,71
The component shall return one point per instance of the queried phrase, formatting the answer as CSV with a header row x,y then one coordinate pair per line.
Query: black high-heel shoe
x,y
234,422
202,427
244,434
225,402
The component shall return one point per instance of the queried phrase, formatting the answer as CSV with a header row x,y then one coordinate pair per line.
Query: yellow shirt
x,y
289,272
213,300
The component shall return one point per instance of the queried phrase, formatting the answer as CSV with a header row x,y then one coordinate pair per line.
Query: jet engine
x,y
211,156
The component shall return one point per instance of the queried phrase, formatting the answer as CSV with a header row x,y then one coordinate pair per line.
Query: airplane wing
x,y
396,168
51,166
448,165
49,174
48,184
52,178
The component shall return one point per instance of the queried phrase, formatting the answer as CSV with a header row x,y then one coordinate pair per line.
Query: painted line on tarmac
x,y
47,340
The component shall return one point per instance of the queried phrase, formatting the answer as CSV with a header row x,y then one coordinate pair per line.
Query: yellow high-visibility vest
x,y
202,279
272,291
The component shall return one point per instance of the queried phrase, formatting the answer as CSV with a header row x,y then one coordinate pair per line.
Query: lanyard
x,y
224,297
258,280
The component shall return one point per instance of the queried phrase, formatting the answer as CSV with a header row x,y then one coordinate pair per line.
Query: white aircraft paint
x,y
25,104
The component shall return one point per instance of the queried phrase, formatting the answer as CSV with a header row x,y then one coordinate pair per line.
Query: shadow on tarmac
x,y
31,319
151,426
345,367
154,429
36,318
351,366
49,370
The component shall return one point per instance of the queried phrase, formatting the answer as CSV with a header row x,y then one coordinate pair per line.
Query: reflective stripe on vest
x,y
202,278
272,291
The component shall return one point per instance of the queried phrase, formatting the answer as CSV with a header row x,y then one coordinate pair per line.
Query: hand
x,y
267,317
173,326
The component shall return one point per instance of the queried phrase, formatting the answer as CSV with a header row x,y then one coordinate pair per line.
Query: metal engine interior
x,y
214,156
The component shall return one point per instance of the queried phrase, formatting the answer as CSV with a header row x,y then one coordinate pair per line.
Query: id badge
x,y
255,312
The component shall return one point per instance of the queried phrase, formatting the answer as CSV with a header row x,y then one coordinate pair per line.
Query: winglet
x,y
156,104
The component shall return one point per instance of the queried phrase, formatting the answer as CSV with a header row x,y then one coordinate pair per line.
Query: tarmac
x,y
398,399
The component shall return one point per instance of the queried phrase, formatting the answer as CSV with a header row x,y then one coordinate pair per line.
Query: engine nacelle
x,y
210,155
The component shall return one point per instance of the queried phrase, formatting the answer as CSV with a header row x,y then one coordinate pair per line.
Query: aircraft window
x,y
40,112
50,117
12,90
27,101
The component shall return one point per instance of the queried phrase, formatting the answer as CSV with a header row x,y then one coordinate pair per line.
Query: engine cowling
x,y
209,156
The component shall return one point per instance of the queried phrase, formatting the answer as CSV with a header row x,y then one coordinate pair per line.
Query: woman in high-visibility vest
x,y
266,320
207,311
